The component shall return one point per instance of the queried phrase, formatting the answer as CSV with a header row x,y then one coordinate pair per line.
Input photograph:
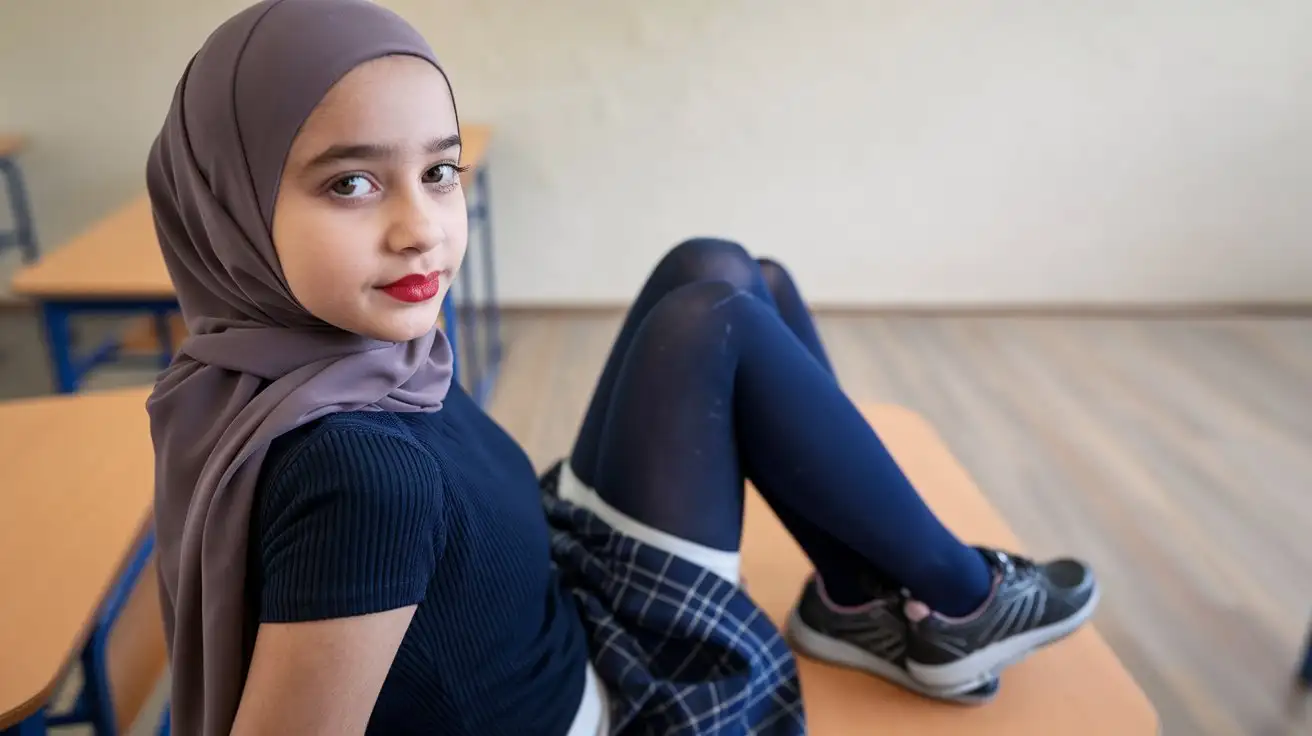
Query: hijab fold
x,y
255,364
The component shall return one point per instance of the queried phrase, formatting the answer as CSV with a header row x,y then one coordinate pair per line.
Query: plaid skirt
x,y
680,649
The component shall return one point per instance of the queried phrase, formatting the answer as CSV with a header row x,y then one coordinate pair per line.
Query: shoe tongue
x,y
1006,563
995,558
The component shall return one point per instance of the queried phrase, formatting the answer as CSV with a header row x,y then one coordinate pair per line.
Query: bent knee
x,y
707,247
712,259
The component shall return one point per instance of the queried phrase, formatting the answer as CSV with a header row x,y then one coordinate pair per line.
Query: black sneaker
x,y
1032,605
871,637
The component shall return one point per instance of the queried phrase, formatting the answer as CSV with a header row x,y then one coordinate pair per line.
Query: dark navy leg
x,y
716,388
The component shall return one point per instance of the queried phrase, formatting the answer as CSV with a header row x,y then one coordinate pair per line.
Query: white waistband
x,y
721,562
593,716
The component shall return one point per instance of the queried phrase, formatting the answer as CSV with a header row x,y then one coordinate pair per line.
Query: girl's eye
x,y
352,186
443,176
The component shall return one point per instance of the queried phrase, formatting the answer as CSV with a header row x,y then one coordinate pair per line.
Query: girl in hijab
x,y
348,544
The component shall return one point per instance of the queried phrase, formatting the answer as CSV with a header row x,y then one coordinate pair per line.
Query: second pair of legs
x,y
718,376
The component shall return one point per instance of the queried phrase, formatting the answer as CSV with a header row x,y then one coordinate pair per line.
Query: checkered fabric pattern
x,y
680,649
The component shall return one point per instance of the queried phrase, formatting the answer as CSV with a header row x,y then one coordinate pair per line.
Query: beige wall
x,y
892,152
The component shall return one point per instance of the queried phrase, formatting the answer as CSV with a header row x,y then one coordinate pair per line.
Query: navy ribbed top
x,y
361,512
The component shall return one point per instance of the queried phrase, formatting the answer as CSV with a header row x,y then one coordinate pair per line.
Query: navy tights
x,y
718,375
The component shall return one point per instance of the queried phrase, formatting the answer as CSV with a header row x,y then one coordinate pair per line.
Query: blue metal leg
x,y
59,341
1305,674
24,230
33,725
166,722
489,265
95,670
118,597
492,315
482,338
468,316
452,333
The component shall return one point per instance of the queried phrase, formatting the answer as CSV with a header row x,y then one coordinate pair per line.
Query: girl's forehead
x,y
396,105
388,80
392,93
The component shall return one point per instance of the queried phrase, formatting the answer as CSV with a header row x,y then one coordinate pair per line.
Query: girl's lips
x,y
416,287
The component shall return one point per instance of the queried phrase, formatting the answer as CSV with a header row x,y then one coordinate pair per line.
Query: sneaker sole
x,y
835,651
964,673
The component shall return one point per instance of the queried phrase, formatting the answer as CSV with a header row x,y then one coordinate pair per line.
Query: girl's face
x,y
369,223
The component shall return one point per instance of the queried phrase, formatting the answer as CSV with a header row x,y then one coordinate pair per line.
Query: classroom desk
x,y
75,534
24,233
115,267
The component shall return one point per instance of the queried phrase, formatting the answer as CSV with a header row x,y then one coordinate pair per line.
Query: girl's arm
x,y
319,677
349,529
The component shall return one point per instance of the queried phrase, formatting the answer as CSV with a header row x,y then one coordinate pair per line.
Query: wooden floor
x,y
1176,455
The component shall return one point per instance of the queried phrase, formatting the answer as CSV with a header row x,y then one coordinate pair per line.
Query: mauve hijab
x,y
256,363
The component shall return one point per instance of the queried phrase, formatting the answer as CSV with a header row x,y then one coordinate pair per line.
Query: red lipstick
x,y
417,287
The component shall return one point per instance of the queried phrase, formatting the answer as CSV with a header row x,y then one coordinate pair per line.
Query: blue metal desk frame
x,y
24,233
70,369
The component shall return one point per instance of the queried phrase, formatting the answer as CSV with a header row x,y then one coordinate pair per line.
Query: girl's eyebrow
x,y
375,151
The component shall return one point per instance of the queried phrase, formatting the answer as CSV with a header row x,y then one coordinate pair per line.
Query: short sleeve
x,y
349,524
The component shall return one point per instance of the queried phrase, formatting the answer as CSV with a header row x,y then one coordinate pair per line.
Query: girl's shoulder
x,y
349,519
343,430
345,423
369,454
